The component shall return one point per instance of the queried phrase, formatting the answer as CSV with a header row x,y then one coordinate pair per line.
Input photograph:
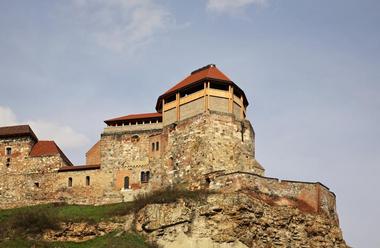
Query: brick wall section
x,y
130,153
93,155
99,191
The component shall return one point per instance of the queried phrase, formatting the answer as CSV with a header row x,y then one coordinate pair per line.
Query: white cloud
x,y
232,6
63,135
123,25
7,117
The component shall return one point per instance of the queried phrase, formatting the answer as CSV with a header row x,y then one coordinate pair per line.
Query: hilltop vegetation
x,y
24,227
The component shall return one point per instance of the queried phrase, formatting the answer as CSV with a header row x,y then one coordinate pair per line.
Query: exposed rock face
x,y
78,232
236,220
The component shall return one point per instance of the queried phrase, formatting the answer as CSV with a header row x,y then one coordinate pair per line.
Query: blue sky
x,y
310,69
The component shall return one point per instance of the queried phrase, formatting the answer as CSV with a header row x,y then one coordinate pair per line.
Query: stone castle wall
x,y
209,142
185,153
27,180
212,149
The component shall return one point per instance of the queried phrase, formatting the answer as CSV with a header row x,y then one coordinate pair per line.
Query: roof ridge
x,y
203,68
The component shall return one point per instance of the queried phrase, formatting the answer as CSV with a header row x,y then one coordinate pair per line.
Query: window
x,y
144,177
192,90
8,151
70,182
157,146
208,180
87,181
171,98
219,86
126,182
153,147
147,175
135,138
8,162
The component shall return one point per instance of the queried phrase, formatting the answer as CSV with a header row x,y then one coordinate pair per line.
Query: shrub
x,y
168,195
30,221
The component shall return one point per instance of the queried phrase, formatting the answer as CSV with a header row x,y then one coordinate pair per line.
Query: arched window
x,y
142,177
70,182
135,138
126,182
87,181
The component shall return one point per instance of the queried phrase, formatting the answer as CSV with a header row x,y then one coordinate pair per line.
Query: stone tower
x,y
200,127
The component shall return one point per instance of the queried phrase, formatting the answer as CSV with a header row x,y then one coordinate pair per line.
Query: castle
x,y
198,137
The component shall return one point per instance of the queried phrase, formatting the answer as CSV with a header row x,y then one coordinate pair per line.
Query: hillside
x,y
170,218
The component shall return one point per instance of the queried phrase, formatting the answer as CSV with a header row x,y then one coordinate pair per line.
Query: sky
x,y
310,70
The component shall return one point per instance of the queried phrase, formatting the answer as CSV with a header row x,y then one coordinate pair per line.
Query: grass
x,y
95,214
67,213
110,240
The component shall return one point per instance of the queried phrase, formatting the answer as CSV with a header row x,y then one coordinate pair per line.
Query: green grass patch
x,y
17,224
127,240
66,213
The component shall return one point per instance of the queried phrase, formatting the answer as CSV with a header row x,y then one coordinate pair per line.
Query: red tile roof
x,y
48,148
79,168
135,117
208,72
17,131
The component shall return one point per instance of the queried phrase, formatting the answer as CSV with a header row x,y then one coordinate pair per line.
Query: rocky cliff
x,y
235,220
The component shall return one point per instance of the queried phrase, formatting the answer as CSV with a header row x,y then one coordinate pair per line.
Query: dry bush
x,y
167,195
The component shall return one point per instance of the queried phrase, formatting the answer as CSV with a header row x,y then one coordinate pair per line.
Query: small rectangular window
x,y
145,176
9,151
157,146
153,146
87,181
70,182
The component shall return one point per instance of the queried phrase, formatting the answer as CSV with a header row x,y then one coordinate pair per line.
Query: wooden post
x,y
177,106
163,111
230,99
242,108
205,96
208,96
